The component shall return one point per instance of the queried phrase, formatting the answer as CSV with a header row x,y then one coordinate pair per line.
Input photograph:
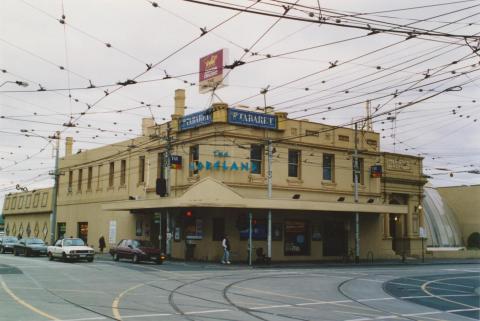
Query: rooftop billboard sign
x,y
211,74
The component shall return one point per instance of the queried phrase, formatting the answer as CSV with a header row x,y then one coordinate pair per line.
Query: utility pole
x,y
357,218
56,175
269,237
250,245
168,159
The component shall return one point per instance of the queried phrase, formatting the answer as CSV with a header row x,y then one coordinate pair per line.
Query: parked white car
x,y
70,249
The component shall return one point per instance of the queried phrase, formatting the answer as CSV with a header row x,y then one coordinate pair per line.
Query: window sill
x,y
142,184
329,184
256,178
123,186
360,186
294,181
110,188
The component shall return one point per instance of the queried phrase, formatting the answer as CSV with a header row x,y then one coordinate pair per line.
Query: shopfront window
x,y
259,230
194,158
296,238
83,231
61,230
218,228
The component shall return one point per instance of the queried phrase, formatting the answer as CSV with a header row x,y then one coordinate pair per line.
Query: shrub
x,y
474,240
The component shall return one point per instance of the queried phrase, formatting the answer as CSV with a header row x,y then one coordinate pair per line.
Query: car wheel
x,y
135,258
50,256
90,259
159,261
115,257
27,253
64,257
15,252
2,250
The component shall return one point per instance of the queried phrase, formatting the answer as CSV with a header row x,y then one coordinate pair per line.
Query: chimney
x,y
146,123
68,146
180,102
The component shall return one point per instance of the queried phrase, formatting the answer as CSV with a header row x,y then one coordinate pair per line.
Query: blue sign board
x,y
251,119
198,119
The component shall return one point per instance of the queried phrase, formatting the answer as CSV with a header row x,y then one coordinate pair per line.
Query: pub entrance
x,y
158,235
335,240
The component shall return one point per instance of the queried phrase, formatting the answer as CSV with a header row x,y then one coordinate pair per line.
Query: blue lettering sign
x,y
220,165
251,119
198,119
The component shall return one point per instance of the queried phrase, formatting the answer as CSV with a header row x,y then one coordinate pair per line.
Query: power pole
x,y
357,218
269,238
168,159
56,175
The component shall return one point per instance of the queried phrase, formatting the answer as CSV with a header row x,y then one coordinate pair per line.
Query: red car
x,y
136,251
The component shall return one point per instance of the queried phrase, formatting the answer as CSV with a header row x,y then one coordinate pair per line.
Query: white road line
x,y
207,311
272,307
377,299
84,319
434,288
424,289
428,296
463,310
147,315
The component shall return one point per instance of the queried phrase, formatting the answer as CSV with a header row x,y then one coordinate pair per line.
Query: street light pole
x,y
269,238
357,218
56,175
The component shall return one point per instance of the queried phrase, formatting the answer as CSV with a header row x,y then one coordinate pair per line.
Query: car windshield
x,y
140,243
10,240
35,241
73,242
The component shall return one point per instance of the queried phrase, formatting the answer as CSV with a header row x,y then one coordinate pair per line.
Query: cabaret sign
x,y
198,119
251,119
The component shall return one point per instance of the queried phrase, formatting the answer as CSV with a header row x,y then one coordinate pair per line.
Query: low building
x,y
185,183
27,214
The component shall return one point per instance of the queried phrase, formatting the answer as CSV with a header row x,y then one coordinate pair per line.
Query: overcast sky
x,y
106,42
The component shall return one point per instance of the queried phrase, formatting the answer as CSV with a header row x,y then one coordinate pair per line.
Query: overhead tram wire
x,y
366,28
326,69
166,58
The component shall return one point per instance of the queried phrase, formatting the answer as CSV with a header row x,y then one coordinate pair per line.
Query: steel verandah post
x,y
250,248
269,236
53,219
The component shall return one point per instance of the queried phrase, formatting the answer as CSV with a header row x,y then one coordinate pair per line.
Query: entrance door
x,y
393,231
335,238
159,228
82,231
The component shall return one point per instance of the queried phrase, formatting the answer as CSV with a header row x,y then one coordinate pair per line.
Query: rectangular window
x,y
328,167
44,199
70,180
123,172
218,228
111,173
315,133
361,176
36,199
7,203
161,165
89,178
20,202
343,138
141,169
14,203
194,158
256,158
79,183
28,201
99,174
293,163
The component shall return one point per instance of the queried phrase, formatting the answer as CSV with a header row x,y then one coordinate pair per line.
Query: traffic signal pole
x,y
357,218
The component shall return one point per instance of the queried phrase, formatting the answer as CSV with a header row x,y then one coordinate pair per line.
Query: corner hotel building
x,y
218,176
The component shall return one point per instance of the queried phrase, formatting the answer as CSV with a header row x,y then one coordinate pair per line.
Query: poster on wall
x,y
112,232
296,240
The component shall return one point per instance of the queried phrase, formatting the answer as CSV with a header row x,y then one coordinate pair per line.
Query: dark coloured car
x,y
7,243
29,247
137,250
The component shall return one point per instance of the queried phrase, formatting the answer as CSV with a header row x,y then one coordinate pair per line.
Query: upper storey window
x,y
256,158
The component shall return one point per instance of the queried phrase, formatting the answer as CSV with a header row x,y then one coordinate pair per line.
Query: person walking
x,y
101,243
226,250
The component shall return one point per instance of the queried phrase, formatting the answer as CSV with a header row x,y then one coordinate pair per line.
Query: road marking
x,y
148,315
84,319
116,301
207,311
424,289
25,304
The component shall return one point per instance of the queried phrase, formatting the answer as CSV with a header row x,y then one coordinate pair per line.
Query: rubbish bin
x,y
190,251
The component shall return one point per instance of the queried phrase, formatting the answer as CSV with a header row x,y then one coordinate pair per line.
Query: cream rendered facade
x,y
28,213
110,190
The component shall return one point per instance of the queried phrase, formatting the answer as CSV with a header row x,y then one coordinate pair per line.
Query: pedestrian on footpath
x,y
226,250
101,243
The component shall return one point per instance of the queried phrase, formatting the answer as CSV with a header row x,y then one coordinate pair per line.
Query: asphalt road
x,y
35,289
